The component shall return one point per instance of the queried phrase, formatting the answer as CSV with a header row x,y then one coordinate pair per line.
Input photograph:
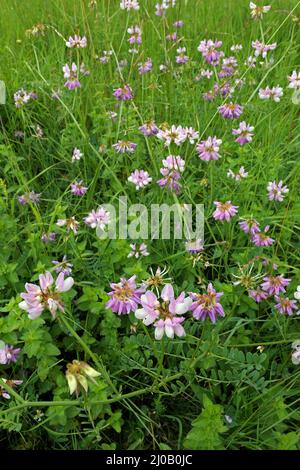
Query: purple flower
x,y
294,80
76,155
181,58
63,266
9,354
135,35
209,149
129,5
125,296
178,24
194,246
98,219
21,97
72,81
244,133
123,94
224,211
230,110
31,196
207,304
257,11
48,238
124,146
12,384
262,239
163,313
145,67
45,296
239,175
149,129
208,49
273,285
140,178
77,42
249,226
138,251
262,49
173,166
258,294
276,191
285,305
78,189
268,93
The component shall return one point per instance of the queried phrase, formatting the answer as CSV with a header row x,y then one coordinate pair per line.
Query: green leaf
x,y
206,429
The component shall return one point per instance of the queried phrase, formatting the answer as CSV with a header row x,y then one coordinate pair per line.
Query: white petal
x,y
140,314
23,305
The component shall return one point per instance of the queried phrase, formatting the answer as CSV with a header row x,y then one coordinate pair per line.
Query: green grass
x,y
150,392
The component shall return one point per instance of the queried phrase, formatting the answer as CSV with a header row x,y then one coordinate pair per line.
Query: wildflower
x,y
98,219
70,223
261,238
230,110
257,12
8,354
268,93
173,167
12,384
206,73
294,80
21,97
173,134
209,149
297,293
181,58
105,58
138,251
29,197
124,146
145,67
249,226
125,296
39,131
123,94
224,211
45,296
63,266
129,5
273,285
296,353
244,133
156,279
77,42
83,70
140,178
149,129
188,133
77,154
77,374
251,62
262,49
239,175
194,246
71,76
135,35
208,49
178,24
19,134
285,305
236,47
78,189
276,191
163,313
163,68
207,304
172,36
223,90
258,294
48,238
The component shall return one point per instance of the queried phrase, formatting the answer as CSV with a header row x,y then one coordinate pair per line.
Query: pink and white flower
x,y
45,296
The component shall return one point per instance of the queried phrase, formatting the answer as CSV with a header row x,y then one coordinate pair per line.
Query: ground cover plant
x,y
149,342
